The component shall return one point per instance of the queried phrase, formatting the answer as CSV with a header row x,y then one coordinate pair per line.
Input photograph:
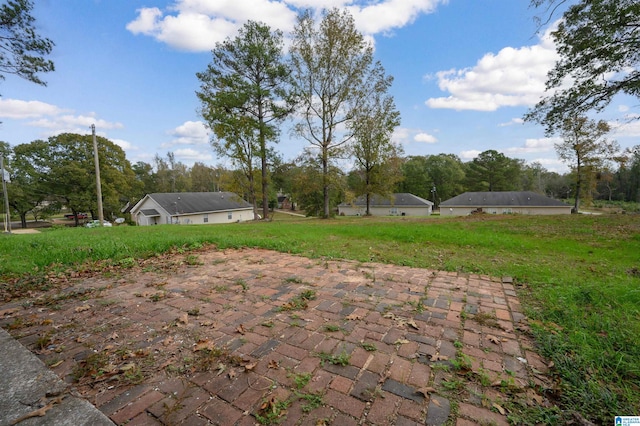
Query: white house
x,y
191,208
401,204
503,202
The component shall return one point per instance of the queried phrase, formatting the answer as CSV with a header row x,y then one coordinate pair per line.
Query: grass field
x,y
579,276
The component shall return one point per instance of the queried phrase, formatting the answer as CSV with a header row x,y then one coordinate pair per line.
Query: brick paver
x,y
229,339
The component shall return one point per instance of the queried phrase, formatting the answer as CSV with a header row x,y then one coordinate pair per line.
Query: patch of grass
x,y
369,347
311,400
299,302
301,380
272,411
341,359
332,328
243,284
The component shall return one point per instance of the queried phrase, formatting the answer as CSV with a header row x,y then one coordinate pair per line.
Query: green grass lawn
x,y
579,276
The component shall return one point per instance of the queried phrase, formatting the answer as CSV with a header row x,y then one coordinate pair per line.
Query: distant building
x,y
503,202
401,204
191,208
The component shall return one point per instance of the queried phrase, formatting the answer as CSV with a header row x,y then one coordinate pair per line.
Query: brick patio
x,y
223,337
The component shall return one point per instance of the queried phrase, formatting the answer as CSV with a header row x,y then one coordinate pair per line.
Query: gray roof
x,y
150,212
198,202
502,199
403,199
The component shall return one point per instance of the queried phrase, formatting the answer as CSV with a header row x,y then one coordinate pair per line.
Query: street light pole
x,y
98,184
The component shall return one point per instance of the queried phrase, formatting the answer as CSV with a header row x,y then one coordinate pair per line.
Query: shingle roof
x,y
198,202
150,212
403,199
501,199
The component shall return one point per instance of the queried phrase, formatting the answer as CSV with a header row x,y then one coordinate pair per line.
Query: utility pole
x,y
3,176
98,184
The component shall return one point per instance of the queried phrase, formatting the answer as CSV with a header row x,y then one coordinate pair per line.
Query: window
x,y
394,210
230,216
206,218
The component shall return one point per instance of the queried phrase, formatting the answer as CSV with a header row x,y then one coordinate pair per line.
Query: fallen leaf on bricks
x,y
499,408
83,308
493,339
353,317
426,391
439,357
184,318
273,364
241,329
401,342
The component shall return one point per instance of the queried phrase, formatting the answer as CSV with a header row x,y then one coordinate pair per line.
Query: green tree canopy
x,y
586,150
599,48
334,74
244,94
493,171
377,157
22,50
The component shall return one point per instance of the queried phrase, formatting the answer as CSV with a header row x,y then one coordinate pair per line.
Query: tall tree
x,y
377,157
244,95
22,50
416,179
333,69
586,150
447,176
597,41
493,171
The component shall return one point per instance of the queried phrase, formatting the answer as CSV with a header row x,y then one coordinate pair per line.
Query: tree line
x,y
49,175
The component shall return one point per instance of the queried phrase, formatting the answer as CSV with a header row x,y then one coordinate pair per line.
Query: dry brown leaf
x,y
241,329
353,317
426,391
389,315
221,367
413,324
48,321
499,408
55,364
113,336
184,318
128,366
83,308
436,402
251,366
167,341
401,342
201,345
273,364
438,357
493,339
232,374
206,323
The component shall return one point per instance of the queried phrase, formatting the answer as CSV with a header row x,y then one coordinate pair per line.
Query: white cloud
x,y
189,133
535,145
126,145
196,25
627,128
425,138
512,122
190,154
512,77
70,123
18,109
623,108
469,155
384,16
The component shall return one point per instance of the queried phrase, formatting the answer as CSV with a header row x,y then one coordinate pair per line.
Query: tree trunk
x,y
23,220
325,181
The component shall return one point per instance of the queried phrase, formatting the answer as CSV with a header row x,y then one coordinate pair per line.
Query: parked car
x,y
96,223
71,216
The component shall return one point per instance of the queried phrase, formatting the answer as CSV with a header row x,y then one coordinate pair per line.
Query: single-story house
x,y
503,202
400,204
191,208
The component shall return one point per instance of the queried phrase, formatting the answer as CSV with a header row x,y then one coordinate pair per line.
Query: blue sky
x,y
465,72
